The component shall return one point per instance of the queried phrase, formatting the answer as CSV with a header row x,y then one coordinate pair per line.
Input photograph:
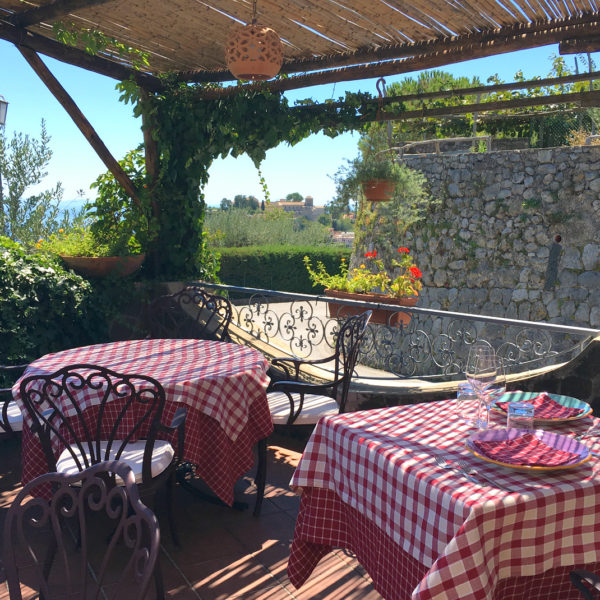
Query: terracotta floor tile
x,y
228,577
230,554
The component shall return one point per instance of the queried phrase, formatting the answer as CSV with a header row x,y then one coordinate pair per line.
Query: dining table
x,y
222,385
370,483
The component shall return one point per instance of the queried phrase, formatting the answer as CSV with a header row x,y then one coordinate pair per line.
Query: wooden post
x,y
79,119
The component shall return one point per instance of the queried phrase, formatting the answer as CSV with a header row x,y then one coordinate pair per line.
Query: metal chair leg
x,y
261,475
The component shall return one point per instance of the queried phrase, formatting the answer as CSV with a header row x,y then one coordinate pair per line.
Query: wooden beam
x,y
526,35
82,123
584,98
49,47
575,46
396,67
51,11
480,89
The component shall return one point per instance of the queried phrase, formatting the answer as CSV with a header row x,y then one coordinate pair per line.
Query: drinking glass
x,y
480,371
467,404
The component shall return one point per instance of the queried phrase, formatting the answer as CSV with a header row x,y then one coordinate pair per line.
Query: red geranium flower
x,y
403,249
416,272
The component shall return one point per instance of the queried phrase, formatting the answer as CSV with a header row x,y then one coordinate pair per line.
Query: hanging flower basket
x,y
380,316
101,266
379,190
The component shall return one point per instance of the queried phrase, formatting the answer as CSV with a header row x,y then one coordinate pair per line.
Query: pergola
x,y
324,41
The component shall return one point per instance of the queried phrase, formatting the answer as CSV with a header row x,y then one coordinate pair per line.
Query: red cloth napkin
x,y
544,407
527,449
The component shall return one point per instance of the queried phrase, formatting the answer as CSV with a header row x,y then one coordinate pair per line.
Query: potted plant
x,y
374,173
116,229
83,252
371,282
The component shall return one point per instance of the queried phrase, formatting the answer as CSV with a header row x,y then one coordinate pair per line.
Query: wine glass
x,y
481,371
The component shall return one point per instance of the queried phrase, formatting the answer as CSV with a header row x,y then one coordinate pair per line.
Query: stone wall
x,y
515,234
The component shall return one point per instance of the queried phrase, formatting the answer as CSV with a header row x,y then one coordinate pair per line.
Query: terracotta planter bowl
x,y
101,266
380,316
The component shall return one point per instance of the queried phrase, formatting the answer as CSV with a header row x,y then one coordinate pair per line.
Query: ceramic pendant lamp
x,y
253,52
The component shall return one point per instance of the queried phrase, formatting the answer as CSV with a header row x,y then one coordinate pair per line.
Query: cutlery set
x,y
468,472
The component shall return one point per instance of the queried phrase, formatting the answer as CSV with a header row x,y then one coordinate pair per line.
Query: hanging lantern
x,y
253,52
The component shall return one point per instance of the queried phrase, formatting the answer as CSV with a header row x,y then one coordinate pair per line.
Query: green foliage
x,y
370,276
190,133
44,307
238,227
118,224
23,163
276,267
95,42
383,226
375,161
294,197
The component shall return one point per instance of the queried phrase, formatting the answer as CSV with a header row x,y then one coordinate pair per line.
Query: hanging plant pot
x,y
380,316
379,190
101,266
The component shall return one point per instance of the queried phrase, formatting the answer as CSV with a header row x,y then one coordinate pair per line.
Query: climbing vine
x,y
191,133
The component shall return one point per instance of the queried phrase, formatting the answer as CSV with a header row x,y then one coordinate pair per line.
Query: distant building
x,y
306,208
343,237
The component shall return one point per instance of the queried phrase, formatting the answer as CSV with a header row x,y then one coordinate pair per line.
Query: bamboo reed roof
x,y
324,40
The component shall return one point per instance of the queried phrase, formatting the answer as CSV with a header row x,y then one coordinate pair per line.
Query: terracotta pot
x,y
100,266
380,316
378,190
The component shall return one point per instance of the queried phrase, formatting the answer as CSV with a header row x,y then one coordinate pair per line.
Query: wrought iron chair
x,y
84,414
296,402
190,313
11,419
59,547
585,582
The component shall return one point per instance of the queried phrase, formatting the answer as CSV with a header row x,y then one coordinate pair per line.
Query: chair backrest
x,y
347,346
190,313
93,412
91,532
8,375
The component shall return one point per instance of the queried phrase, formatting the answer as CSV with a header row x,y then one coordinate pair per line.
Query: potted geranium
x,y
371,282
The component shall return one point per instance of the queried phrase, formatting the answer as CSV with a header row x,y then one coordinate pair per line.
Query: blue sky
x,y
306,168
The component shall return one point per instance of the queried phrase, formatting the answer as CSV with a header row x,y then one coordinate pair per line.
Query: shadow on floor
x,y
226,553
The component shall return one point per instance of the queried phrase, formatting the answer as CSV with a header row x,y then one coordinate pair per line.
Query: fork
x,y
465,466
446,464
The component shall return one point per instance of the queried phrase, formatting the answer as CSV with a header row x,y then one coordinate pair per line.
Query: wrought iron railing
x,y
434,345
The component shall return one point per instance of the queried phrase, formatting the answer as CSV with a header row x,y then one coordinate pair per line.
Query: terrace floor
x,y
226,553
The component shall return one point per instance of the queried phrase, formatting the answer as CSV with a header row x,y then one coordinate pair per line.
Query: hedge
x,y
277,267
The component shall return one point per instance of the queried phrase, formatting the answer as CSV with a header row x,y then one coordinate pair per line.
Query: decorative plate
x,y
556,441
568,401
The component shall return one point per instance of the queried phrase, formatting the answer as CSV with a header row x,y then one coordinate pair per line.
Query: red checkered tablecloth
x,y
370,483
222,384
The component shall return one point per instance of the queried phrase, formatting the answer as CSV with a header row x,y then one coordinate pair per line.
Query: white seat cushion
x,y
133,455
15,418
313,409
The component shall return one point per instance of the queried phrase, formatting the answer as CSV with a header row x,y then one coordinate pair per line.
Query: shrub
x,y
277,267
44,307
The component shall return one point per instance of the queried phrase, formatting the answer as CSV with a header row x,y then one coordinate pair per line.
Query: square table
x,y
223,386
370,483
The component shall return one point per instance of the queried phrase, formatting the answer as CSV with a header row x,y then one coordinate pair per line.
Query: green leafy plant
x,y
80,241
45,308
373,278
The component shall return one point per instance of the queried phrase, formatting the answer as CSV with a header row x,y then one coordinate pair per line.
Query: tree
x,y
226,204
294,197
23,163
249,202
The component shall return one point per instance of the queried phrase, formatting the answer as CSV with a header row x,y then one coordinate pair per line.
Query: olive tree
x,y
24,217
